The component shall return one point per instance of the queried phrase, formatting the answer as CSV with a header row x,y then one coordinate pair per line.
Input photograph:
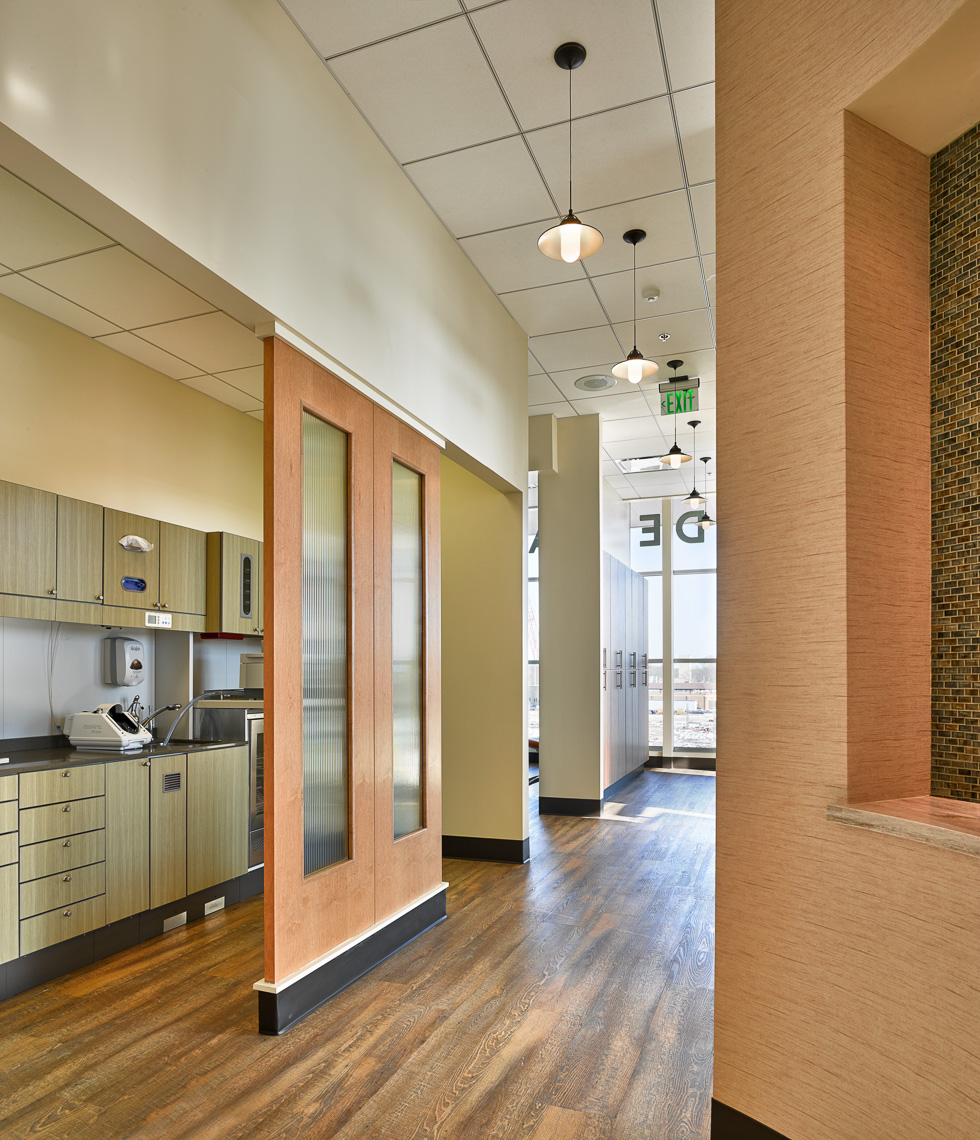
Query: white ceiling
x,y
52,261
467,97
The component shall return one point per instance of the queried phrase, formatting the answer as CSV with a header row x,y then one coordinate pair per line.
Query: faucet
x,y
210,693
165,708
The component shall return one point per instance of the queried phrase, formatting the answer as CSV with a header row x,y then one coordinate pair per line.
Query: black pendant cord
x,y
570,141
634,296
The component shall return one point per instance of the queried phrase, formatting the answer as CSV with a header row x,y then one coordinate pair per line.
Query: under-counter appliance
x,y
108,728
239,716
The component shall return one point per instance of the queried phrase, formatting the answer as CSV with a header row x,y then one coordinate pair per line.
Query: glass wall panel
x,y
695,615
533,623
655,700
695,704
533,714
532,542
407,623
325,633
691,547
646,545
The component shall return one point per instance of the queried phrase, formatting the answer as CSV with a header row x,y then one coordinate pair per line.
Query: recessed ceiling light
x,y
595,383
665,336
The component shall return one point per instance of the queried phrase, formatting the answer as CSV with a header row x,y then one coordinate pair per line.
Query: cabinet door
x,y
233,584
183,569
8,913
127,838
168,830
217,816
80,540
131,565
28,541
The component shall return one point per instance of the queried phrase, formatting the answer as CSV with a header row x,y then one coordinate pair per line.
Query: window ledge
x,y
951,824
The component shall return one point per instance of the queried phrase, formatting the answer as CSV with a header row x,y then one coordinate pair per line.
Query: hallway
x,y
570,999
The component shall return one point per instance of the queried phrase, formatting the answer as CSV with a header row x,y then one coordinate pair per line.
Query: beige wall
x,y
83,420
615,524
214,126
847,961
484,678
570,560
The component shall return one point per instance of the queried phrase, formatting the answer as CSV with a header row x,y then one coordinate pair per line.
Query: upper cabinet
x,y
183,569
234,584
28,542
79,551
131,577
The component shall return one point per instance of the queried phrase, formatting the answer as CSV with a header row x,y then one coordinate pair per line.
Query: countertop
x,y
39,759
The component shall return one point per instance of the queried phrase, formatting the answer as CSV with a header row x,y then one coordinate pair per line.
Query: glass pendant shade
x,y
705,521
570,241
695,499
635,367
675,457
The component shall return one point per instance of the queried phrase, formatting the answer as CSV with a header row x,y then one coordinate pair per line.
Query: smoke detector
x,y
596,383
650,295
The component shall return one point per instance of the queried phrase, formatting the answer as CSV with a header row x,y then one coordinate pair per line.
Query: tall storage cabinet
x,y
625,705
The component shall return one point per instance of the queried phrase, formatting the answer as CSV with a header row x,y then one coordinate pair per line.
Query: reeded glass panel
x,y
325,623
407,553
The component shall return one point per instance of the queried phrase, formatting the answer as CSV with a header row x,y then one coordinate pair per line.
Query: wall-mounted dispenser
x,y
123,661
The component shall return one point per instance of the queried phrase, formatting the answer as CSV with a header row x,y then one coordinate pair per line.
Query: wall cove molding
x,y
486,850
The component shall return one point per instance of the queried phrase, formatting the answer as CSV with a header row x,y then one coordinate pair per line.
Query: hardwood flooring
x,y
569,999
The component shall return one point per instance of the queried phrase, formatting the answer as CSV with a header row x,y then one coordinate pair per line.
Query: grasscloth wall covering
x,y
955,472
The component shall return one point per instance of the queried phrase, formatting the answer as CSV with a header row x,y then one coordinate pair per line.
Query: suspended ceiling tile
x,y
661,483
215,342
533,368
483,187
225,393
639,427
609,469
36,230
688,332
651,443
131,345
618,155
555,308
249,380
332,28
119,287
688,29
708,261
611,405
679,284
622,64
560,408
42,300
582,347
564,379
426,92
620,484
695,110
540,390
700,364
510,259
667,221
703,200
4,269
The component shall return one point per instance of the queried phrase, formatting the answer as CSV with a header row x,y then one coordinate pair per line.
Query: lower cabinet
x,y
217,817
8,913
127,838
168,830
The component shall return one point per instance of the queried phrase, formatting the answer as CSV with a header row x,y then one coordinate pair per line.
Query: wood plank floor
x,y
570,999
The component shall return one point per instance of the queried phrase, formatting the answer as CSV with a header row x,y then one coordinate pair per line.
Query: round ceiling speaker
x,y
595,383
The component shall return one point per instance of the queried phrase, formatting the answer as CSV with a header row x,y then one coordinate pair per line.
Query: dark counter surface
x,y
39,759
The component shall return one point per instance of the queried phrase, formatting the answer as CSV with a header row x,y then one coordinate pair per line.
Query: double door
x,y
353,817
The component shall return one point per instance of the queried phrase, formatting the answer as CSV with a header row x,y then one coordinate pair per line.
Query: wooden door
x,y
80,541
124,570
408,810
319,824
127,838
183,569
28,541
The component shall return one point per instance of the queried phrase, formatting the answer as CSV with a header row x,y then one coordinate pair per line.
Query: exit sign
x,y
679,396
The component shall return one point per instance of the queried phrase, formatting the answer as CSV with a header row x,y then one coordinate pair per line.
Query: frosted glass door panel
x,y
326,762
407,617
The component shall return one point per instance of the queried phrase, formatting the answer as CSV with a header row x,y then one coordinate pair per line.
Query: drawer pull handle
x,y
146,763
67,843
66,913
100,597
66,773
67,807
66,879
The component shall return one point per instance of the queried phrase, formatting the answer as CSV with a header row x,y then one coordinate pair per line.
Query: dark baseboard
x,y
45,965
622,782
486,850
557,805
730,1124
279,1012
682,763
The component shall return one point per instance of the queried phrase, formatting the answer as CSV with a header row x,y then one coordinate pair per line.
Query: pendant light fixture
x,y
705,520
635,368
571,240
695,499
675,457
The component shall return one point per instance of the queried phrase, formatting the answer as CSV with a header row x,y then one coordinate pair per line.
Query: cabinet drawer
x,y
8,849
57,925
61,890
56,820
61,855
8,787
8,816
59,784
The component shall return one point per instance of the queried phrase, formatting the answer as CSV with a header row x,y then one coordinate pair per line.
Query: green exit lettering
x,y
676,403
